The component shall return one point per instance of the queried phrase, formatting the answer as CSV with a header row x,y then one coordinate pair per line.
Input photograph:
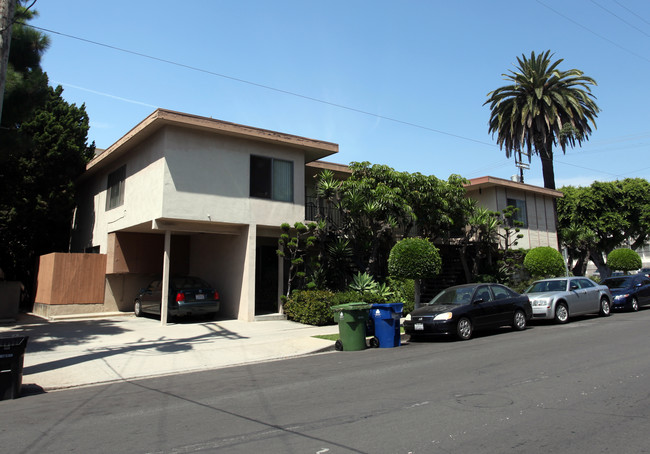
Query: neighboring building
x,y
536,207
206,195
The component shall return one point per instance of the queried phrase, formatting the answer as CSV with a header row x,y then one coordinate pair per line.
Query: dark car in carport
x,y
188,295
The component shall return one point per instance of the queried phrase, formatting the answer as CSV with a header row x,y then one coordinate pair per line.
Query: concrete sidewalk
x,y
77,352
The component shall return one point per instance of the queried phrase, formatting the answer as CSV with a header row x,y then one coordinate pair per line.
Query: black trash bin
x,y
12,354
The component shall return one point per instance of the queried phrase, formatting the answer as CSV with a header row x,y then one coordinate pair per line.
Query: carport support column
x,y
247,301
164,304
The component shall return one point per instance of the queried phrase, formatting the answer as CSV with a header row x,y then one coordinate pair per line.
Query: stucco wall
x,y
541,230
207,179
142,197
220,259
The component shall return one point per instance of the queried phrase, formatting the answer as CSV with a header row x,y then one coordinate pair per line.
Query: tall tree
x,y
376,202
595,220
43,149
542,107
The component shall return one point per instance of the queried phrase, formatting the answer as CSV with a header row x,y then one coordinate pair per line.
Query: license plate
x,y
199,296
419,326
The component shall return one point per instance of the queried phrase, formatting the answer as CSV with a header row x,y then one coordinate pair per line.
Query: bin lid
x,y
15,341
356,306
395,307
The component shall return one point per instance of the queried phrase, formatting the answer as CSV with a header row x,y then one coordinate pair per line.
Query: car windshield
x,y
618,282
462,295
547,286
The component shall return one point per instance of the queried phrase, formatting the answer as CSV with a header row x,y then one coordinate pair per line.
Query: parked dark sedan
x,y
629,292
188,295
462,309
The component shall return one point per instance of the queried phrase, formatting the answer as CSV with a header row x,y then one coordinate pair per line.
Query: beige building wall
x,y
493,194
206,178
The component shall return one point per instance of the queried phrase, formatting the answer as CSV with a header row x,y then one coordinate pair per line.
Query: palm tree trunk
x,y
546,154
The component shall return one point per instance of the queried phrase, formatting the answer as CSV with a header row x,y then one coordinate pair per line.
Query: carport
x,y
216,253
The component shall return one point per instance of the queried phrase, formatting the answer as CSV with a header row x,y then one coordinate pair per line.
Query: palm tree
x,y
543,106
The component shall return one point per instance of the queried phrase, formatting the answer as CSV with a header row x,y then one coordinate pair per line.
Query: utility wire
x,y
594,33
621,19
630,11
321,101
266,87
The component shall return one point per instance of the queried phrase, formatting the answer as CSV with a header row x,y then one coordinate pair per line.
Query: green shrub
x,y
312,307
403,292
363,282
414,258
352,296
543,262
346,297
624,260
520,286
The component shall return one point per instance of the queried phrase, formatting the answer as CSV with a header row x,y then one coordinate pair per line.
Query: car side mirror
x,y
574,287
478,300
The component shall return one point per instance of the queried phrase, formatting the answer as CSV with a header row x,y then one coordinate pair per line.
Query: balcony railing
x,y
313,211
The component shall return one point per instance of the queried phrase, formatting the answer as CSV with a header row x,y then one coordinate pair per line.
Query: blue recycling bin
x,y
385,318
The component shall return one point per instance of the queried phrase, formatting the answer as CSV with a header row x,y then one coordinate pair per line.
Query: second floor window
x,y
520,214
271,179
115,188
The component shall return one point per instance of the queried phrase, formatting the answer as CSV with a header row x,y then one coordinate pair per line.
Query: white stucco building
x,y
191,195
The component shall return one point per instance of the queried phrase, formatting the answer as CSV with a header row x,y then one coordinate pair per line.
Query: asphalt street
x,y
575,388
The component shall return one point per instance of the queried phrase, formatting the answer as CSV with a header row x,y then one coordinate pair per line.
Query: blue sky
x,y
427,64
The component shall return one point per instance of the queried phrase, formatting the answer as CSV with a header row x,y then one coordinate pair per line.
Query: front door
x,y
266,279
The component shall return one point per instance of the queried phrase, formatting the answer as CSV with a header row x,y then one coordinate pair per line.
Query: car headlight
x,y
621,297
540,302
408,317
443,316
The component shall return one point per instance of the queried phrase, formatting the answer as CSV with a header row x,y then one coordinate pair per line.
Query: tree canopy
x,y
595,220
541,107
43,149
376,202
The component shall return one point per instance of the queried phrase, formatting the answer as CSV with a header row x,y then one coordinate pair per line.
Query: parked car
x,y
188,295
563,297
629,292
462,309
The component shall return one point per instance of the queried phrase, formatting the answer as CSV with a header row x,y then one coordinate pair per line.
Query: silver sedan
x,y
563,297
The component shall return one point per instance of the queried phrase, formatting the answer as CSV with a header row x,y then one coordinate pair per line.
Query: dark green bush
x,y
624,260
414,258
542,262
312,307
346,297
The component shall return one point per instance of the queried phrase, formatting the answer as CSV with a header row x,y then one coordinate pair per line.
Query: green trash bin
x,y
352,318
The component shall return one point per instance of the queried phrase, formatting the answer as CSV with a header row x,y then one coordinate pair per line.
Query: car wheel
x,y
561,313
605,308
137,308
464,328
519,321
635,304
